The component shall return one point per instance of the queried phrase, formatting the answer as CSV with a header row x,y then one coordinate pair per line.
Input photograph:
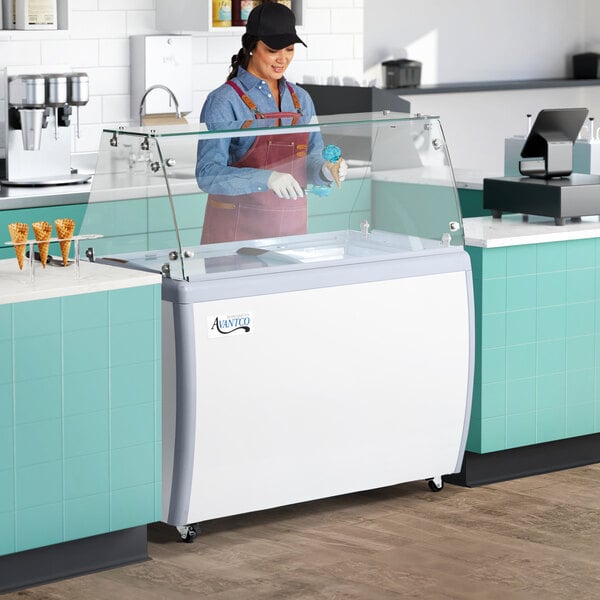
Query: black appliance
x,y
586,65
401,73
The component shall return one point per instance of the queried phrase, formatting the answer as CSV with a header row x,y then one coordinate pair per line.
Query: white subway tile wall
x,y
97,42
113,52
58,52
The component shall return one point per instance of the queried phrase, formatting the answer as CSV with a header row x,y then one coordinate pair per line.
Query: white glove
x,y
342,167
285,186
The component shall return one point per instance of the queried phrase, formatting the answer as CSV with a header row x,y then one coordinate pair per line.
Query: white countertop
x,y
54,282
512,230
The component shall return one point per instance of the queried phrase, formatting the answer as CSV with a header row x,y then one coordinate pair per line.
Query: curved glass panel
x,y
197,202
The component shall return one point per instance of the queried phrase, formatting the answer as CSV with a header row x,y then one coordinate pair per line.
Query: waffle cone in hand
x,y
334,168
18,233
65,229
43,232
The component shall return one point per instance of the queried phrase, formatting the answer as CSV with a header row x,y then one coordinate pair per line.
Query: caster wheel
x,y
560,220
187,533
496,214
434,486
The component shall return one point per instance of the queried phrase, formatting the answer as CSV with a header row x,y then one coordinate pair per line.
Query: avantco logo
x,y
225,325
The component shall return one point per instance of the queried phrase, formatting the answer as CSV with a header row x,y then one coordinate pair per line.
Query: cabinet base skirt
x,y
480,469
78,557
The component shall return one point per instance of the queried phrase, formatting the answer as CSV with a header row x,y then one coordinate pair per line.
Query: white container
x,y
36,14
512,155
586,157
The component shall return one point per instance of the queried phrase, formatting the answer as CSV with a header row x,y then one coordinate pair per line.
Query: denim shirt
x,y
223,106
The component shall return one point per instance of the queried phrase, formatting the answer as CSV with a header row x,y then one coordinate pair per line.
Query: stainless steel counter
x,y
40,196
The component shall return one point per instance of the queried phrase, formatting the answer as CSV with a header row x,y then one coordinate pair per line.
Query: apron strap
x,y
245,99
294,98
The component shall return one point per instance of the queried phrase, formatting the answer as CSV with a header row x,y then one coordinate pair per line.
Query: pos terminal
x,y
548,187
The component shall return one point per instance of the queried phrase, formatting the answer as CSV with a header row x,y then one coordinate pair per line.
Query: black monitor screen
x,y
553,125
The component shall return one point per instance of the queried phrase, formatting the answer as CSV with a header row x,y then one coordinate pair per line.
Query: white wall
x,y
98,42
591,30
470,40
475,124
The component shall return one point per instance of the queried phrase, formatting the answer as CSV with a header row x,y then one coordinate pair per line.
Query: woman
x,y
256,184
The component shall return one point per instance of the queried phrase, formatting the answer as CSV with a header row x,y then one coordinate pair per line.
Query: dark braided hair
x,y
242,58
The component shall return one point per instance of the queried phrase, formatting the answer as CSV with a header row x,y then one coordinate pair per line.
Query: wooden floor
x,y
531,538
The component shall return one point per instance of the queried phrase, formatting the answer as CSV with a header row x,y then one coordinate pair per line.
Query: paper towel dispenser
x,y
161,60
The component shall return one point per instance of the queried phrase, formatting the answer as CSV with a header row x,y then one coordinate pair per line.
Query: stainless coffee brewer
x,y
38,126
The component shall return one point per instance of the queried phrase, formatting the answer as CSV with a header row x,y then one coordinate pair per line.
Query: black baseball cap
x,y
274,24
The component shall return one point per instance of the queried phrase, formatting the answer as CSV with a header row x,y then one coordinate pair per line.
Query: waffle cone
x,y
18,235
334,168
65,229
43,232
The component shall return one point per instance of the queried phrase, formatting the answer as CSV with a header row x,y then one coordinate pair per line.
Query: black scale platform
x,y
562,198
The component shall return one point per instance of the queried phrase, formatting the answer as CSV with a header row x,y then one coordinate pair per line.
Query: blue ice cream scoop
x,y
331,153
333,161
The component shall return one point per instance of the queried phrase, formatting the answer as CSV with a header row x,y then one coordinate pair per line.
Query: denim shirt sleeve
x,y
223,106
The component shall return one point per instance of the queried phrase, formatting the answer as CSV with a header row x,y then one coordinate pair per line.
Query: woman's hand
x,y
335,171
285,186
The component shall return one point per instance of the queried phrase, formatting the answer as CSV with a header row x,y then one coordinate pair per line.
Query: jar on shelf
x,y
240,10
287,3
221,13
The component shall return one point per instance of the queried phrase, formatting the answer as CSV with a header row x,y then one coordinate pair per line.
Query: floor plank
x,y
523,539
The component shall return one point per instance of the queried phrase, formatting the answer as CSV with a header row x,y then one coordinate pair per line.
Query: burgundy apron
x,y
262,214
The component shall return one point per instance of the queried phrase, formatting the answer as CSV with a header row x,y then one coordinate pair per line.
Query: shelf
x,y
494,86
17,35
62,14
196,15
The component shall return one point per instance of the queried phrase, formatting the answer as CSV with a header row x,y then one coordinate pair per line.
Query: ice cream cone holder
x,y
30,262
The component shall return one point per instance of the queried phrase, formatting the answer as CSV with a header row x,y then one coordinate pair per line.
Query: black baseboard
x,y
479,469
78,557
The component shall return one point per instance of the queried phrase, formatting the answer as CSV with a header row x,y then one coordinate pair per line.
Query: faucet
x,y
162,87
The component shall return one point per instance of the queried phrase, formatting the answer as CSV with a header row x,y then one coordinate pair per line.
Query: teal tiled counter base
x,y
471,203
537,375
80,419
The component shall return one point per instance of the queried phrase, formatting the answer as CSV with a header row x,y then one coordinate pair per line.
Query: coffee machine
x,y
38,131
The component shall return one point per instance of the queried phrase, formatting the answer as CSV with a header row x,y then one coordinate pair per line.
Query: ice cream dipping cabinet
x,y
335,359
